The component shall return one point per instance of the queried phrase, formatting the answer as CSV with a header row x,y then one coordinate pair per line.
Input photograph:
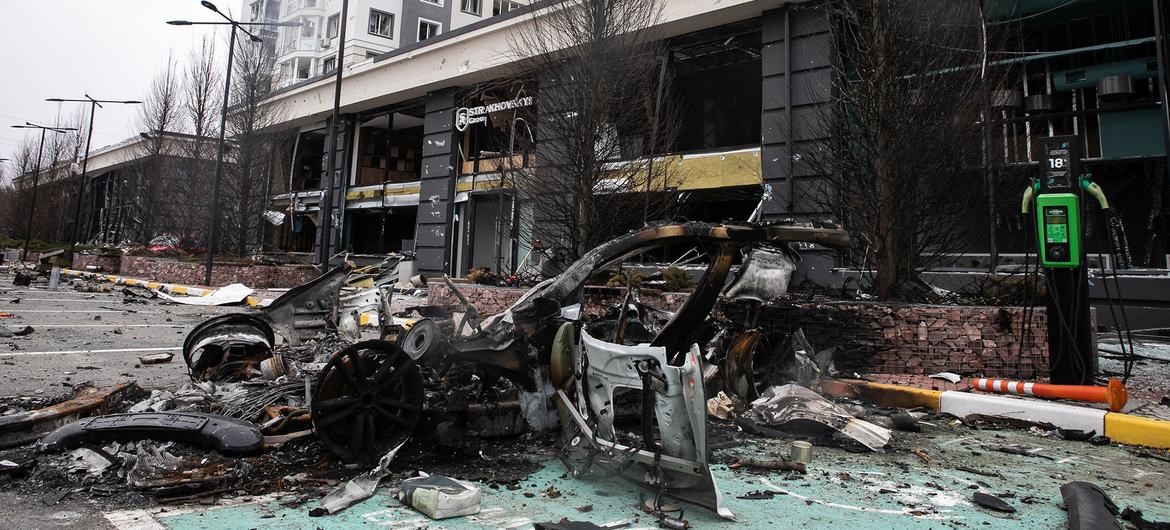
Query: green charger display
x,y
1058,219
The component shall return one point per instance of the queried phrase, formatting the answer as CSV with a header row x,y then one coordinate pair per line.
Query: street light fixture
x,y
36,175
93,105
214,213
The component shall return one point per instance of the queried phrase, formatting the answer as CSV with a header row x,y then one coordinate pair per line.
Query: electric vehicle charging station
x,y
1056,201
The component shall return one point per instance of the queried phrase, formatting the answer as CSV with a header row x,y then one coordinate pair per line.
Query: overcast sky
x,y
108,48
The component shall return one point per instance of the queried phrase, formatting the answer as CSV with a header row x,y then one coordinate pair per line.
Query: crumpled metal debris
x,y
795,408
89,461
358,488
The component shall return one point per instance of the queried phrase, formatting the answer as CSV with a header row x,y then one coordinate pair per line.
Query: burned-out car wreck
x,y
625,388
371,396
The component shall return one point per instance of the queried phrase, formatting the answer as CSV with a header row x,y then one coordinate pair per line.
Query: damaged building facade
x,y
142,188
420,155
424,131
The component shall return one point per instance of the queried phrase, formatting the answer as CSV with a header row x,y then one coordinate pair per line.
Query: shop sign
x,y
466,116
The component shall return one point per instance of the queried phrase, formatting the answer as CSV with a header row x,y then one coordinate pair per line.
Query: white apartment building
x,y
373,27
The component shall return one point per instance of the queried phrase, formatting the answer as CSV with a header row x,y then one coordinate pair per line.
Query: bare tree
x,y
60,171
14,212
601,118
245,179
201,102
154,201
903,166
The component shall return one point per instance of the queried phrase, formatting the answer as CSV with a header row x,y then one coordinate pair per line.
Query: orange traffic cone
x,y
1114,394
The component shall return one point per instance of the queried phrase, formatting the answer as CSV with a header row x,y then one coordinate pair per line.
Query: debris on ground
x,y
358,488
17,332
220,433
139,292
991,502
289,398
229,294
27,426
440,497
156,358
771,465
721,406
1088,506
795,408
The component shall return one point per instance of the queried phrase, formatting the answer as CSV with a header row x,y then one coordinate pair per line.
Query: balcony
x,y
290,8
303,44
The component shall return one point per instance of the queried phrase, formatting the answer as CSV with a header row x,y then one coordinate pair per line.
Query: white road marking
x,y
904,511
17,311
67,352
83,296
109,326
65,300
144,519
133,520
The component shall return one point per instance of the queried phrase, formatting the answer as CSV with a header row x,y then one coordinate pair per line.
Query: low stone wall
x,y
103,263
491,300
254,276
915,339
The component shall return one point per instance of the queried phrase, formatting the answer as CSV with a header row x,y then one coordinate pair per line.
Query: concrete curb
x,y
1119,427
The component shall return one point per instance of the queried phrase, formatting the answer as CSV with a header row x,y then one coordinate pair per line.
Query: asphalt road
x,y
84,337
79,336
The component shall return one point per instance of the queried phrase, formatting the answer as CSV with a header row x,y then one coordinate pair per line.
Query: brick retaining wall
x,y
915,339
170,270
254,276
104,263
871,337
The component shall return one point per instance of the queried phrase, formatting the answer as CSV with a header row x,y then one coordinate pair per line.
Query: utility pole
x,y
93,105
36,175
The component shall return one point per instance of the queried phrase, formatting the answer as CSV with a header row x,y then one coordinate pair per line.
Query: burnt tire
x,y
368,399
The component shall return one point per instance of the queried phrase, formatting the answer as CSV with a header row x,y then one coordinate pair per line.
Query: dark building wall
x,y
336,186
433,238
796,78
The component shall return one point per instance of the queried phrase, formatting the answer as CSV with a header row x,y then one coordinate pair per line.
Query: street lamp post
x,y
214,213
93,105
36,175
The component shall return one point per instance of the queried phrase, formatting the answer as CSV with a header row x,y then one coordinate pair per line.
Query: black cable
x,y
1030,283
1117,284
1127,365
1064,323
